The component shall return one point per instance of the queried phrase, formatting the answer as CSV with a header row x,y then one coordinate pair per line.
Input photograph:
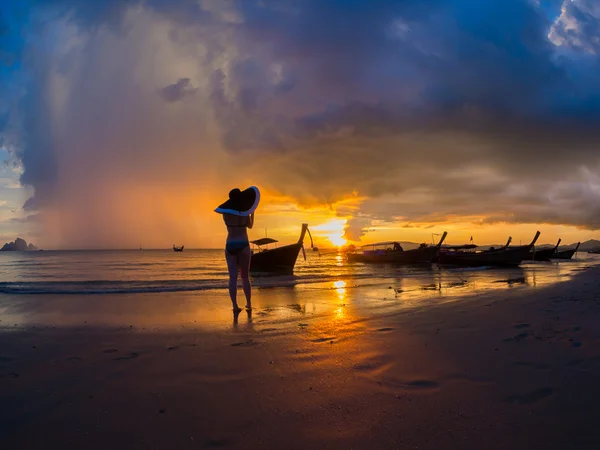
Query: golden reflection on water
x,y
340,289
340,313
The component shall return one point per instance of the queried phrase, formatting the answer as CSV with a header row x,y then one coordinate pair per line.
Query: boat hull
x,y
565,254
508,258
279,260
505,256
540,255
417,256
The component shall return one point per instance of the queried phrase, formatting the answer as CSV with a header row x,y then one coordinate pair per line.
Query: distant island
x,y
19,245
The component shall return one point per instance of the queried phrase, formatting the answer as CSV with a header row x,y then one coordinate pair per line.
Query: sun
x,y
333,230
337,239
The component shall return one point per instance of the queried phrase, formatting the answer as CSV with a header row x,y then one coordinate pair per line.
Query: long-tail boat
x,y
176,249
279,260
392,252
447,251
543,254
566,254
503,256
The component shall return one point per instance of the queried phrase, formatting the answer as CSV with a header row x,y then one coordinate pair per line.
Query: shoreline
x,y
276,304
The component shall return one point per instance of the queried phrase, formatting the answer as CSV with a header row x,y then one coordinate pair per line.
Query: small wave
x,y
472,269
139,287
182,285
106,287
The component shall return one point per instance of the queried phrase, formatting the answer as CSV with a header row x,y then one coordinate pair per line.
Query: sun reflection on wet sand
x,y
340,288
340,313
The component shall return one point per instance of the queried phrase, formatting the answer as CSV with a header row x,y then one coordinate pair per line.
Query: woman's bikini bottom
x,y
236,247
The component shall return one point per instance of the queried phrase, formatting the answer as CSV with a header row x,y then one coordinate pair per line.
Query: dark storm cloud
x,y
485,87
30,204
177,91
483,68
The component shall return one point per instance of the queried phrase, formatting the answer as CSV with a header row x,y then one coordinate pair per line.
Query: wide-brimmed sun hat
x,y
240,203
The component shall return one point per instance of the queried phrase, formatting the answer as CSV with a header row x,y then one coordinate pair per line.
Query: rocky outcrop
x,y
19,245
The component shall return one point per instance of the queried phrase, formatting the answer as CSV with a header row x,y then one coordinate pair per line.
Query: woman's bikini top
x,y
225,219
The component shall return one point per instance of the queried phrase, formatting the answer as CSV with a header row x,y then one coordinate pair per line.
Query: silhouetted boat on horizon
x,y
503,256
279,260
177,249
393,253
566,254
544,254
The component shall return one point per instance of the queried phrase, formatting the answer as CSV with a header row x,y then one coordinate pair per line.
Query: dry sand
x,y
510,369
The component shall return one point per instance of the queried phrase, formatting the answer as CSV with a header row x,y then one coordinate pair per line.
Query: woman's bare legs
x,y
232,268
244,264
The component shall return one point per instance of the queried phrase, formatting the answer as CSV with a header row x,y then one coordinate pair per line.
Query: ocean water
x,y
152,287
155,271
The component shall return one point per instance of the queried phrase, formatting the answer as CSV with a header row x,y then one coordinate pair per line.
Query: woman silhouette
x,y
238,215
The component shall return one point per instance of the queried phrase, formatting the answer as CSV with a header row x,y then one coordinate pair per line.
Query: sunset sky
x,y
126,122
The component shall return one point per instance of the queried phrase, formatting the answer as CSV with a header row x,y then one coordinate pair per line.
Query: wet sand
x,y
503,369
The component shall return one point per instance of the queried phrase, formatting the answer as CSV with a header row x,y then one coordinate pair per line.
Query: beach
x,y
513,368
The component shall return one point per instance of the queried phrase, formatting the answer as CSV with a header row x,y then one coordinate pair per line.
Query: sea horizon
x,y
286,242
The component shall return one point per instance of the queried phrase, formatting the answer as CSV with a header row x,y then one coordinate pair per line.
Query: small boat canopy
x,y
459,247
380,244
263,241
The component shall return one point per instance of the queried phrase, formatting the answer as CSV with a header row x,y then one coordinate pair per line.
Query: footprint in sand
x,y
478,379
9,375
132,355
531,397
110,350
384,329
367,366
323,339
533,365
215,443
518,337
589,363
423,384
249,343
176,347
522,325
266,330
